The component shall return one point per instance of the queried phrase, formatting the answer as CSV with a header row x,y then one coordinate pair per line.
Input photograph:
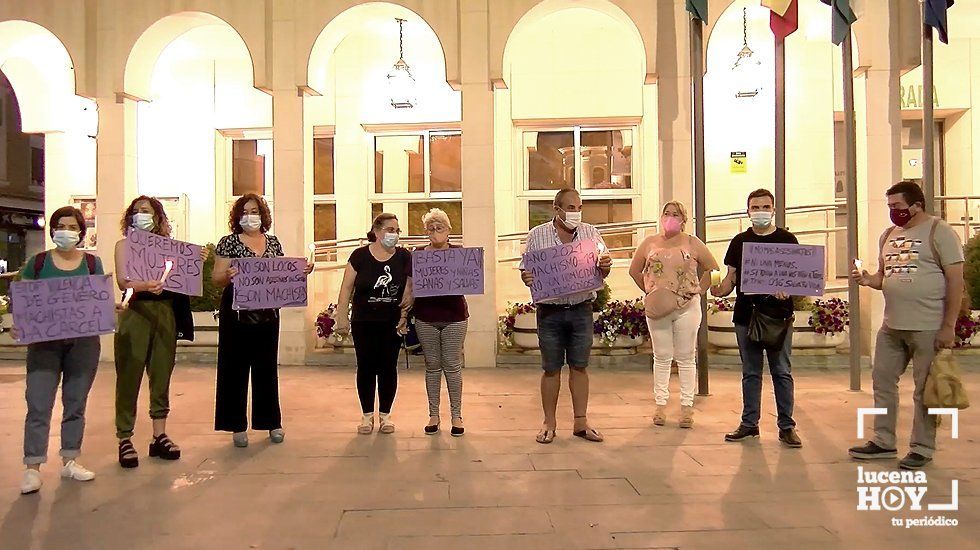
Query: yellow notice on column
x,y
738,163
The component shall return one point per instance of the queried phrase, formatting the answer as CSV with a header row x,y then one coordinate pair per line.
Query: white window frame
x,y
224,169
528,195
425,131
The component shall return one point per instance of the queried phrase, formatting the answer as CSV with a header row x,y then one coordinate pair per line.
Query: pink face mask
x,y
670,224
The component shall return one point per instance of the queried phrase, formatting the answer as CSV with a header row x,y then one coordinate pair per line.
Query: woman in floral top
x,y
673,269
248,341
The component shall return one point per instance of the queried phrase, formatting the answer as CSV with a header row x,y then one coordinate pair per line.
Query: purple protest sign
x,y
269,283
797,270
449,272
146,259
61,308
563,270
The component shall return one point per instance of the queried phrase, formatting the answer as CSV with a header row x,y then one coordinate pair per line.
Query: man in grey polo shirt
x,y
565,323
920,272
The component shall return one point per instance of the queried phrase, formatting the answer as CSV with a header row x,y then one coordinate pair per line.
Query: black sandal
x,y
127,454
163,447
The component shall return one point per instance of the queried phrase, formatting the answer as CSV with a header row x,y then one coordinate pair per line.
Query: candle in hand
x,y
126,296
857,265
715,277
167,266
312,253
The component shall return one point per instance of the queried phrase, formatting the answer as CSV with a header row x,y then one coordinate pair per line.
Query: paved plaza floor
x,y
494,488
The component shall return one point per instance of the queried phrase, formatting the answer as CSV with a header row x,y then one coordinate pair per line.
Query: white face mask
x,y
389,240
251,222
65,239
573,219
144,221
761,220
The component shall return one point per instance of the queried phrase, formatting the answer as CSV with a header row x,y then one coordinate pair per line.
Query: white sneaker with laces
x,y
76,471
31,482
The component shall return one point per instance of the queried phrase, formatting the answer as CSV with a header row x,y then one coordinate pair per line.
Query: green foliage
x,y
971,270
802,303
210,300
602,297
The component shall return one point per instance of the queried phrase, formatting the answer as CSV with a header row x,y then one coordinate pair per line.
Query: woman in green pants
x,y
146,340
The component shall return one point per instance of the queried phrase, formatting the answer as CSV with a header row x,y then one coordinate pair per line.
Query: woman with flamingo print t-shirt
x,y
378,284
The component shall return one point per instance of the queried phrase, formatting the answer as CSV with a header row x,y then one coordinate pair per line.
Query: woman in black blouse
x,y
247,340
378,279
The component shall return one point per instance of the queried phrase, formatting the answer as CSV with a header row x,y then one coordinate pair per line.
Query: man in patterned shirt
x,y
920,273
565,323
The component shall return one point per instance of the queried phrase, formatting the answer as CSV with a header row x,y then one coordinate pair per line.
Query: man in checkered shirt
x,y
565,323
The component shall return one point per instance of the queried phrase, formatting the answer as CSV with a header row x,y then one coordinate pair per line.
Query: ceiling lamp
x,y
401,83
746,72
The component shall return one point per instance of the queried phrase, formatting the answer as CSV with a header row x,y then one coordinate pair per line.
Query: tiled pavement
x,y
494,488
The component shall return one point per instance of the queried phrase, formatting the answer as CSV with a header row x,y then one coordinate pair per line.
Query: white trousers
x,y
675,338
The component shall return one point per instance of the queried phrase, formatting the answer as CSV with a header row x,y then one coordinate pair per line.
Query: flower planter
x,y
526,331
721,330
721,333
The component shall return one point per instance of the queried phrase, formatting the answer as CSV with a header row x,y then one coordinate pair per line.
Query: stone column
x,y
674,113
477,160
292,193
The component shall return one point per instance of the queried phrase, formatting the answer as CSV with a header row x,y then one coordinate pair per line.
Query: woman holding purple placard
x,y
441,325
248,340
72,361
146,339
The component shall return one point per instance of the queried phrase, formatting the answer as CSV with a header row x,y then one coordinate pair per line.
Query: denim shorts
x,y
565,335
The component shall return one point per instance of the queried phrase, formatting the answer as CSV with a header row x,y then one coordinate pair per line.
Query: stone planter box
x,y
205,331
526,337
721,333
7,322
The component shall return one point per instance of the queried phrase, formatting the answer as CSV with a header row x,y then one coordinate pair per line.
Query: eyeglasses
x,y
436,229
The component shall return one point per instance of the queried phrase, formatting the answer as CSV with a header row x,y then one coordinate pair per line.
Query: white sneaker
x,y
31,482
77,472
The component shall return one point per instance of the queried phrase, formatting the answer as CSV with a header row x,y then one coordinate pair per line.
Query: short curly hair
x,y
238,210
68,212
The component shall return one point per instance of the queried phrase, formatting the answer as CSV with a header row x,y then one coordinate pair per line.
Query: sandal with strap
x,y
127,454
163,447
589,434
546,436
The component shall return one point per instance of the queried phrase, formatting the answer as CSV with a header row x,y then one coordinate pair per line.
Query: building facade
x,y
200,101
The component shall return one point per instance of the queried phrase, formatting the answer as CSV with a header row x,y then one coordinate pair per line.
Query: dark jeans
x,y
565,335
376,345
782,379
247,351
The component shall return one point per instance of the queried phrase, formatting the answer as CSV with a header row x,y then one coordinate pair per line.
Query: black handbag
x,y
767,326
257,316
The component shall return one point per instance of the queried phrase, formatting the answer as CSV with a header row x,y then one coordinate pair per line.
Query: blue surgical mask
x,y
65,239
761,220
144,221
251,222
389,240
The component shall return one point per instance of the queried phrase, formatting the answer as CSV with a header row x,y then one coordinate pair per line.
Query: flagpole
x,y
780,164
850,178
700,210
928,125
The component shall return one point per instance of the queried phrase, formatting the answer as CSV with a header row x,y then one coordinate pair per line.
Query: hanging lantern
x,y
747,70
401,83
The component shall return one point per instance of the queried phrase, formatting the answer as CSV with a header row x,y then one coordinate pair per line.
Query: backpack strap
x,y
90,261
932,244
39,262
